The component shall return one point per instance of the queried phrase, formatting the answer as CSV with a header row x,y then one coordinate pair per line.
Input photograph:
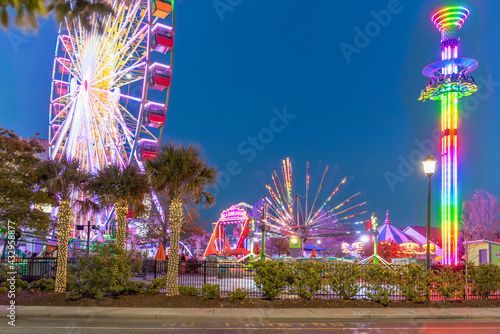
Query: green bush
x,y
307,278
271,277
44,284
136,265
21,285
188,290
73,295
484,279
155,285
134,287
415,282
210,291
343,278
3,289
449,284
380,283
99,274
238,294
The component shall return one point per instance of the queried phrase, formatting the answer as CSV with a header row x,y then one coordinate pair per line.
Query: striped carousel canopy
x,y
388,232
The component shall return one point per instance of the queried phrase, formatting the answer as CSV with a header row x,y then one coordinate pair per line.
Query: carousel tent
x,y
388,232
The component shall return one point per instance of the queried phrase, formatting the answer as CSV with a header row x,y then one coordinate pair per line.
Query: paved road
x,y
126,326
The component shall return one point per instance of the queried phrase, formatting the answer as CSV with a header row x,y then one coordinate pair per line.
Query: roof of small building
x,y
435,233
482,241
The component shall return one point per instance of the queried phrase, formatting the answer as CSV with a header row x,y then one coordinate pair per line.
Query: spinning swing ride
x,y
287,218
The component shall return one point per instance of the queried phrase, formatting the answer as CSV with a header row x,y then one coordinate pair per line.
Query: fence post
x,y
205,272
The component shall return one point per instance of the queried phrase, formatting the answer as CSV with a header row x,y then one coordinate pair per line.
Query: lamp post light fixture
x,y
429,168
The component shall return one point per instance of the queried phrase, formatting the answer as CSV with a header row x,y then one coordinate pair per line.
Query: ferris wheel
x,y
110,86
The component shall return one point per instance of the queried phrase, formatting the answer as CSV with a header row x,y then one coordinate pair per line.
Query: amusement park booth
x,y
483,251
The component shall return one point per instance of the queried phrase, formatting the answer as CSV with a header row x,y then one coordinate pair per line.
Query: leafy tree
x,y
332,246
277,246
180,172
28,11
20,200
386,249
122,188
61,180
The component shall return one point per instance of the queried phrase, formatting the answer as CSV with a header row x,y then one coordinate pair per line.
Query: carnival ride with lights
x,y
104,86
449,81
287,218
218,243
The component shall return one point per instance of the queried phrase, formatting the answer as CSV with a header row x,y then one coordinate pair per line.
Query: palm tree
x,y
61,180
121,188
182,174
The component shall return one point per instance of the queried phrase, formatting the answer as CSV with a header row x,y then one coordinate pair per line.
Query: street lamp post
x,y
81,228
429,168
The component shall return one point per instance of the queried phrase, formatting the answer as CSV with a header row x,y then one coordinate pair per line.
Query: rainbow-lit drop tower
x,y
449,81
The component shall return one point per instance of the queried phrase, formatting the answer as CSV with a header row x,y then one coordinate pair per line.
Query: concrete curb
x,y
248,314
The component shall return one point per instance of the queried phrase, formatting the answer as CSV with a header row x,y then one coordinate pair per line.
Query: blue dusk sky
x,y
330,82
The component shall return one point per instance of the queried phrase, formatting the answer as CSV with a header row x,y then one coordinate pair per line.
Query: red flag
x,y
368,224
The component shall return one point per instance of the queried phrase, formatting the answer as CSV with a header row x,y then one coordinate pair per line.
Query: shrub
x,y
44,284
155,285
73,295
3,289
343,278
21,285
210,291
238,294
99,274
188,290
134,287
415,282
307,278
136,265
379,283
484,279
449,283
271,277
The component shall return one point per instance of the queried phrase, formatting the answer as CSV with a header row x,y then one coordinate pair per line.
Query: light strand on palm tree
x,y
121,208
64,216
176,218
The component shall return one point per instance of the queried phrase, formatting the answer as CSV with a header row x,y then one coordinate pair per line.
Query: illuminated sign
x,y
234,213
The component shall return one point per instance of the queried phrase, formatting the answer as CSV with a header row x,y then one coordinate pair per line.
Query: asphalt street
x,y
124,326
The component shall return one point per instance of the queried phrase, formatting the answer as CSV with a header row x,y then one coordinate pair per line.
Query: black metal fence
x,y
31,269
231,276
228,275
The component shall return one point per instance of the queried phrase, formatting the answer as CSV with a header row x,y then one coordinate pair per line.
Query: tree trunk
x,y
63,228
176,216
121,209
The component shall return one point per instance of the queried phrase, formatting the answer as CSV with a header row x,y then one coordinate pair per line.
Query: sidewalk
x,y
306,314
